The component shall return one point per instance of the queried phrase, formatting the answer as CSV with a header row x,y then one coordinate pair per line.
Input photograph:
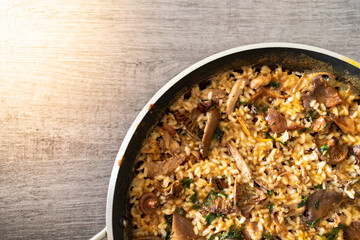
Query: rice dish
x,y
252,154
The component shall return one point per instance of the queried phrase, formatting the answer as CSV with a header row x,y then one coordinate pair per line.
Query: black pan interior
x,y
290,59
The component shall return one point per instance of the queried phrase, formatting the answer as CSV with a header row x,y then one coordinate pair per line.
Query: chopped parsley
x,y
241,102
272,138
327,124
168,221
277,107
211,217
193,198
314,223
267,235
303,130
270,192
316,205
218,134
324,149
199,132
271,208
310,115
273,84
196,207
233,233
212,196
334,232
186,182
303,201
319,186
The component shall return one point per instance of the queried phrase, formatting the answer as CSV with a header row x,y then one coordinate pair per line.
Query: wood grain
x,y
74,74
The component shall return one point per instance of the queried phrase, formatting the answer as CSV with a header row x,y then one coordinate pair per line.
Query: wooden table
x,y
74,74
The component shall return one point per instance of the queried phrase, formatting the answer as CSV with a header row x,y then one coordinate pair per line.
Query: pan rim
x,y
174,80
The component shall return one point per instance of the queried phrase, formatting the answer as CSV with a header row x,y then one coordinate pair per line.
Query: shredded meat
x,y
267,92
233,96
220,206
240,162
182,228
246,197
165,167
322,93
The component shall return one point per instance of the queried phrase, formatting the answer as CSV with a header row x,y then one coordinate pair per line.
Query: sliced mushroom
x,y
148,203
322,125
278,123
165,167
330,150
220,206
176,189
320,203
182,228
267,92
260,81
204,106
247,197
353,231
210,128
148,238
233,96
221,183
345,123
240,162
322,93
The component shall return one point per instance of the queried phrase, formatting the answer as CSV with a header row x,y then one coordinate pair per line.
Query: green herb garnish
x,y
273,84
327,124
334,232
211,217
316,205
319,186
303,130
218,134
313,224
186,182
277,107
302,203
310,115
199,132
267,235
193,198
324,149
270,192
271,208
168,221
196,207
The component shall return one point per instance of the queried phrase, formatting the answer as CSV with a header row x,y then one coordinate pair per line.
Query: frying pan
x,y
292,57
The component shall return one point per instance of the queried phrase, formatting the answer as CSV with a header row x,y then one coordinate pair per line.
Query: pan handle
x,y
100,235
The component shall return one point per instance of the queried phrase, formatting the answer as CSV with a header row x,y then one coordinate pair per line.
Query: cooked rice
x,y
294,174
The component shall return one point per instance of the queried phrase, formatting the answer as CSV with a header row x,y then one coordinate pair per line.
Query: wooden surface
x,y
74,75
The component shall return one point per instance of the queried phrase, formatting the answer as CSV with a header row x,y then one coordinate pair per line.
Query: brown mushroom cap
x,y
148,203
210,128
322,124
335,154
278,123
353,231
345,123
320,203
322,93
182,228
